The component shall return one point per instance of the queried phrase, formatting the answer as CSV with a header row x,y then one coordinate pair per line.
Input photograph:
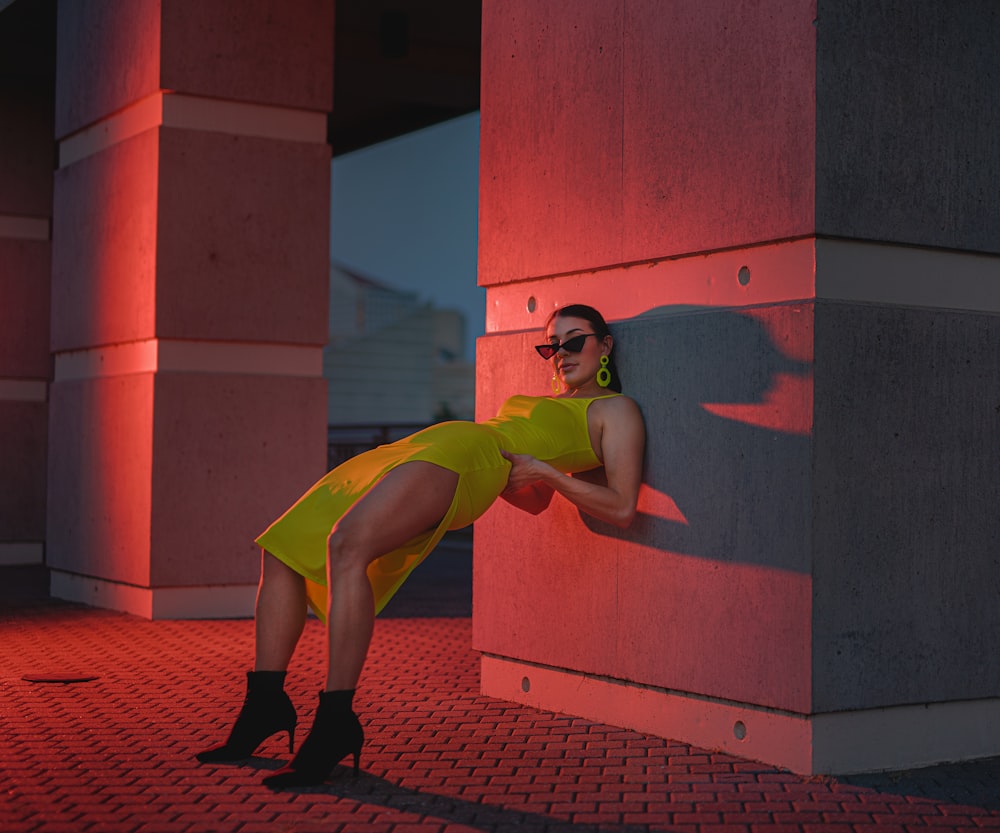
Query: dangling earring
x,y
604,375
556,386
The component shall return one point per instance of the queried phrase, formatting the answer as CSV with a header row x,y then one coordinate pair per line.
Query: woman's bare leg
x,y
280,614
407,501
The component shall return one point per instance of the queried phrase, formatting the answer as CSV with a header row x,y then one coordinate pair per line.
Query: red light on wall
x,y
659,505
787,403
786,406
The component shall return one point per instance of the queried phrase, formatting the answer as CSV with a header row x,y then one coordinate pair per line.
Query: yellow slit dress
x,y
550,429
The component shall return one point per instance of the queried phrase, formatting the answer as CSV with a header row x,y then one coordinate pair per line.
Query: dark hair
x,y
596,320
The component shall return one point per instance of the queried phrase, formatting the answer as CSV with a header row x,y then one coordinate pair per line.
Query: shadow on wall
x,y
727,399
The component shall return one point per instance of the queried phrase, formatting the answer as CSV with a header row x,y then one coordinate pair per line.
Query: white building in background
x,y
393,359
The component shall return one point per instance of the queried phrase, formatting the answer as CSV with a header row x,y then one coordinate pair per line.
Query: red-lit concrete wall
x,y
643,176
25,254
661,162
190,248
637,140
717,563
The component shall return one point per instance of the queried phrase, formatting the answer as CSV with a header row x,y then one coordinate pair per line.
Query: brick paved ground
x,y
115,753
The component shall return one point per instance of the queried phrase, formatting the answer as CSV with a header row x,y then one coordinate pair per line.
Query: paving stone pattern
x,y
116,753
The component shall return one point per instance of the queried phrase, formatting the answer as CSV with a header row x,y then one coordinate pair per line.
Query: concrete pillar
x,y
26,153
190,252
787,210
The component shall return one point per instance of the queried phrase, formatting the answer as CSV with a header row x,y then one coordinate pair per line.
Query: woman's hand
x,y
525,488
524,470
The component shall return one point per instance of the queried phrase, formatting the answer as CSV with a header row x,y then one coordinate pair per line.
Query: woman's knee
x,y
345,551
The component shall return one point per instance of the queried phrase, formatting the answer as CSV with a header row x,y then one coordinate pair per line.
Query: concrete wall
x,y
189,294
907,148
906,544
717,564
619,155
767,200
26,151
907,427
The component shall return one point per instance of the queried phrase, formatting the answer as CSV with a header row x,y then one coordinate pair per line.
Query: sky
x,y
405,213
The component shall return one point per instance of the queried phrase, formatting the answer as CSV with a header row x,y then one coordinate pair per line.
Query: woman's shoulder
x,y
616,400
618,407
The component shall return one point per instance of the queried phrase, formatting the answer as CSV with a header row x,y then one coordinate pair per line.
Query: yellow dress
x,y
550,429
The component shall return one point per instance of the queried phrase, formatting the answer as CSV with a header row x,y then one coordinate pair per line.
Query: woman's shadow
x,y
374,790
728,422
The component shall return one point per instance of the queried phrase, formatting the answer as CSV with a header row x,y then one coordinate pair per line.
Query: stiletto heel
x,y
266,711
336,733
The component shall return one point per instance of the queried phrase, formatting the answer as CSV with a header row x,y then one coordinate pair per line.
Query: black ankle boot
x,y
266,710
336,733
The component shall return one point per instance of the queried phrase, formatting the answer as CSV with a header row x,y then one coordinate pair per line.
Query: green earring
x,y
604,375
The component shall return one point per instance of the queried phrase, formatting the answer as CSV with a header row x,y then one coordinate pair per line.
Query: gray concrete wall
x,y
907,421
908,121
906,529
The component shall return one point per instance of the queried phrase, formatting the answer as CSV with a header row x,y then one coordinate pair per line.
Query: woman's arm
x,y
623,438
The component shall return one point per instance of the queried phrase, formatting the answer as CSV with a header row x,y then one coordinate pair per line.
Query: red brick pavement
x,y
116,753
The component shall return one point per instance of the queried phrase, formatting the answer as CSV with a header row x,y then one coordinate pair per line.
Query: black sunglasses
x,y
570,345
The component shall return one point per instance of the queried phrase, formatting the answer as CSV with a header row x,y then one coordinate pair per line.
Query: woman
x,y
348,544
